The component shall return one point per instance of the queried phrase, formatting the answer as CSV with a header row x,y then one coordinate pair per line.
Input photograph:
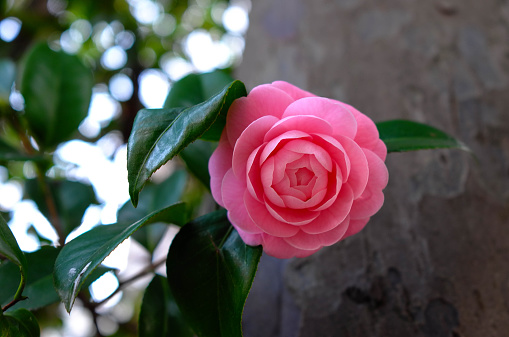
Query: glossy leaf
x,y
57,89
71,198
39,288
210,272
197,88
9,247
19,323
82,255
402,135
196,156
152,198
160,134
8,71
160,315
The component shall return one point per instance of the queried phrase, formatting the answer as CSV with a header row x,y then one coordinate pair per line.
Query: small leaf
x,y
71,198
82,255
19,322
160,315
160,134
196,156
402,135
8,71
57,89
197,88
9,247
210,272
39,288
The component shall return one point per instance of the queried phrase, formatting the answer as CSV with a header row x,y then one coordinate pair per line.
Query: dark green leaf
x,y
19,323
22,323
196,156
9,247
197,88
160,315
152,198
160,134
8,71
210,272
71,198
39,280
57,89
82,255
402,135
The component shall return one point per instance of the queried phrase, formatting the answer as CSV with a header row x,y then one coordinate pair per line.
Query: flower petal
x,y
367,133
254,184
307,147
262,101
277,247
265,221
307,124
332,216
358,177
249,140
296,217
304,240
380,149
372,199
219,163
271,145
340,118
237,213
267,175
293,91
248,238
355,227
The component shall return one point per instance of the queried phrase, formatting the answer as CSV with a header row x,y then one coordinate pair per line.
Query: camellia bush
x,y
290,173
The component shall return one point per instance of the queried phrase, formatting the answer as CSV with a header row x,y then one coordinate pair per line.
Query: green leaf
x,y
71,198
402,135
197,88
152,198
160,134
210,272
8,71
82,255
160,315
10,249
196,156
39,288
19,323
57,89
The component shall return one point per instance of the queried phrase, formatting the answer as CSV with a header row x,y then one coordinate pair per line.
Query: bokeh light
x,y
9,28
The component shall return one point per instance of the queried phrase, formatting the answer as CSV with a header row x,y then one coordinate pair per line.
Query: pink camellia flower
x,y
297,172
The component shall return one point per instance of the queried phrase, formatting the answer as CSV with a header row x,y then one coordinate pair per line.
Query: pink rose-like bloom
x,y
297,172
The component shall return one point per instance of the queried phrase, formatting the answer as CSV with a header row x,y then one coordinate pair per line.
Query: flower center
x,y
302,177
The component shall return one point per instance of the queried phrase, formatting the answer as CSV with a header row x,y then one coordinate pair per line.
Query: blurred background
x,y
137,49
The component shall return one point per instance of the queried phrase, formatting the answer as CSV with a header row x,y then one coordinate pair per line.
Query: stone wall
x,y
435,260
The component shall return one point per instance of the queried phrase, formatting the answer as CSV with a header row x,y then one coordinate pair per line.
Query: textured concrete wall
x,y
435,260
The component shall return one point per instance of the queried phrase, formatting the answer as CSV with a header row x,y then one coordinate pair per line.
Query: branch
x,y
149,269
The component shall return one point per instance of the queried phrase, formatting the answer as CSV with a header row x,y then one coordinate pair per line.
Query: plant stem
x,y
48,197
50,203
18,296
149,269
